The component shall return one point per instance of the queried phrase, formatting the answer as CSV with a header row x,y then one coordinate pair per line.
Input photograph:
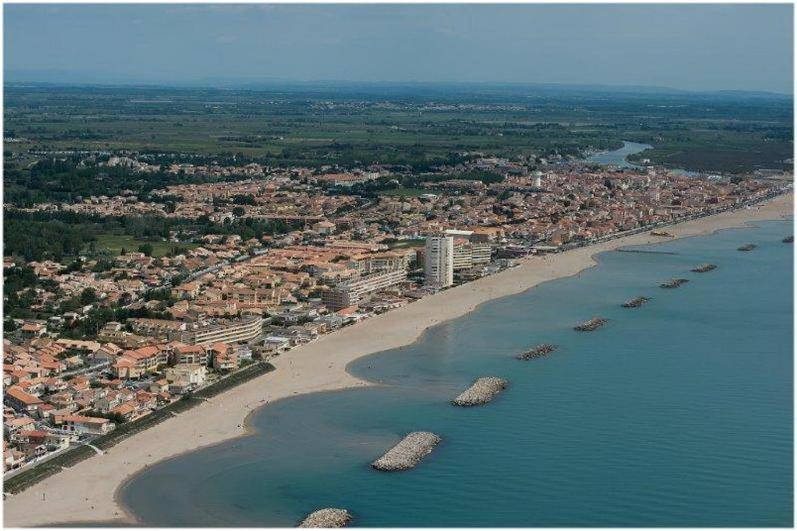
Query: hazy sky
x,y
700,47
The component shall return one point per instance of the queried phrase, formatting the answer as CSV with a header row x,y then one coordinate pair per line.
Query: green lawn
x,y
405,192
114,243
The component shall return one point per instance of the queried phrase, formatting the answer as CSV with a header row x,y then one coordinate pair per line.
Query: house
x,y
144,360
224,357
324,227
18,424
190,354
36,443
12,459
276,344
189,290
184,377
84,425
32,331
22,401
127,411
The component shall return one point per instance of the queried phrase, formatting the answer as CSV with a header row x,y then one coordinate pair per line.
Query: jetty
x,y
674,283
704,268
537,352
788,239
591,325
748,247
482,391
327,518
635,303
408,452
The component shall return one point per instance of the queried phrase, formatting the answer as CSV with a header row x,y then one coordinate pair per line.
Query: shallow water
x,y
678,413
618,157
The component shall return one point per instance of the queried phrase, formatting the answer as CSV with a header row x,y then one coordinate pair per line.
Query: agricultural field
x,y
729,132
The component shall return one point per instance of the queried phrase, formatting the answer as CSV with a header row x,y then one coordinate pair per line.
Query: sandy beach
x,y
87,492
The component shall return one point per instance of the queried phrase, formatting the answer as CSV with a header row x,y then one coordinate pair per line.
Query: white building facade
x,y
439,263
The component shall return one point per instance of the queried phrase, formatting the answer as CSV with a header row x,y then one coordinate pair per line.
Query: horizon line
x,y
243,83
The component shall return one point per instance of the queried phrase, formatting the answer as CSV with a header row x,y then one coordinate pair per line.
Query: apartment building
x,y
142,361
481,253
463,256
439,261
351,292
157,328
223,331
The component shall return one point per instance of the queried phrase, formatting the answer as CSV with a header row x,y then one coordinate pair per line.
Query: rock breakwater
x,y
537,352
635,303
482,391
591,325
327,518
674,283
408,452
704,268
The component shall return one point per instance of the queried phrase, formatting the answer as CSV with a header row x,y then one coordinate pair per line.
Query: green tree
x,y
88,296
146,249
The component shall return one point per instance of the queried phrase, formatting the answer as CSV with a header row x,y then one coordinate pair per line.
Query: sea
x,y
676,413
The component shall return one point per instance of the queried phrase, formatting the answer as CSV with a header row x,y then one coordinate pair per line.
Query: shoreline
x,y
314,367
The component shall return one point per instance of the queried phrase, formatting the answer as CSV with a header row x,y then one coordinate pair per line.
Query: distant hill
x,y
109,79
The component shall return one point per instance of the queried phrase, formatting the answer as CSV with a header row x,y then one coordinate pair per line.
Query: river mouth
x,y
619,157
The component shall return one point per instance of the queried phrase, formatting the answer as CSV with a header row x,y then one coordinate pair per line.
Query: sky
x,y
691,47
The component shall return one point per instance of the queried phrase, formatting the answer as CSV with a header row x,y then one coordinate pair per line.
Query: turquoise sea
x,y
678,413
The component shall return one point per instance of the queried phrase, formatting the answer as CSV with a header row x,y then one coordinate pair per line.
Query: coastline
x,y
88,493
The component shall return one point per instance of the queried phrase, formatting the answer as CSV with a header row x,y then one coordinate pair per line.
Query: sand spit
x,y
704,268
635,303
591,325
674,283
327,518
408,452
537,352
482,391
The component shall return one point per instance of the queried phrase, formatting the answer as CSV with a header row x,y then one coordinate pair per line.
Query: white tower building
x,y
439,263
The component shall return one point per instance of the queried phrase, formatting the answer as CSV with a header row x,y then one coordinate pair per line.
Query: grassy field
x,y
114,243
405,192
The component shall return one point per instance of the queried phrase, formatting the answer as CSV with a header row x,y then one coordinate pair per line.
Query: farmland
x,y
419,127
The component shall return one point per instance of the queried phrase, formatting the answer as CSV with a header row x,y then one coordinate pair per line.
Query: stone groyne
x,y
482,391
327,518
537,352
674,283
408,452
704,268
591,325
748,247
635,303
